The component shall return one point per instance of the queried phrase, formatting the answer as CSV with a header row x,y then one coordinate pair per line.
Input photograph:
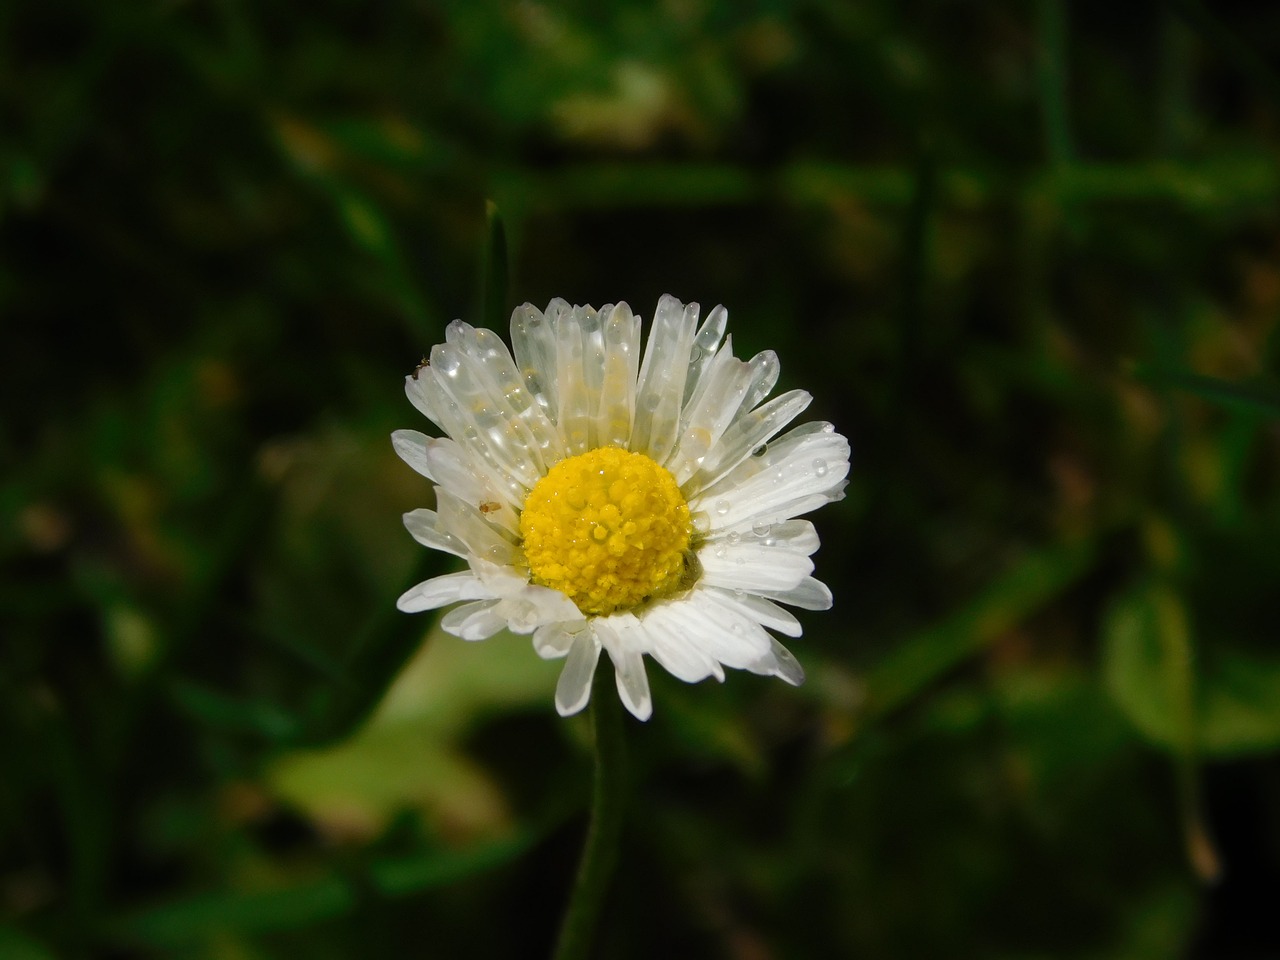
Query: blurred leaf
x,y
15,945
408,755
1147,664
195,918
1148,667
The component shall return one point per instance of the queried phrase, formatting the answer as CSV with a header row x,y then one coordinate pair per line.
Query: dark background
x,y
1025,255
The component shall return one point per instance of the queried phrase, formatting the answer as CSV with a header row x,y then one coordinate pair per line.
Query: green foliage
x,y
1025,256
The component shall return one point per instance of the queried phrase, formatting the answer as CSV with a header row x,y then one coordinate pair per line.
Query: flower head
x,y
604,501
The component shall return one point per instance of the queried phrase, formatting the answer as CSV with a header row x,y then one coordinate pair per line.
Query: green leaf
x,y
15,945
1222,702
1146,665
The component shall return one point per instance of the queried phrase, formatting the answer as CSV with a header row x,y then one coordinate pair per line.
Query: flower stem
x,y
608,800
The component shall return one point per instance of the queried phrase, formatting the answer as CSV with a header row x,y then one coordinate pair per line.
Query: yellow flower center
x,y
608,528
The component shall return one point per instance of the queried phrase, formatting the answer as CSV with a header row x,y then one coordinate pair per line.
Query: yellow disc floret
x,y
608,528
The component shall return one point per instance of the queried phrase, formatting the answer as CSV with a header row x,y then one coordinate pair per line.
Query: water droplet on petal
x,y
760,451
701,522
760,527
723,507
820,467
734,537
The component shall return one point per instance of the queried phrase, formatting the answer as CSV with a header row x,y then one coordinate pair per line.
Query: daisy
x,y
604,501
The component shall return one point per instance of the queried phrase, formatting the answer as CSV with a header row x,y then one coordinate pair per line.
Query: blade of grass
x,y
1250,398
921,660
1051,75
495,270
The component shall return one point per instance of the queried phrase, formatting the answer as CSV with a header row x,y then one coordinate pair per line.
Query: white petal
x,y
471,481
551,641
474,621
780,662
808,594
617,399
734,640
677,652
425,527
467,524
762,611
747,435
623,638
765,368
800,471
533,342
705,344
660,393
521,423
421,394
574,687
752,566
411,446
709,412
525,606
441,591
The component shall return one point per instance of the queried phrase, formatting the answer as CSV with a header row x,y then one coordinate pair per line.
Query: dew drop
x,y
701,522
760,451
721,550
760,528
723,507
769,541
820,467
736,628
448,363
695,354
734,537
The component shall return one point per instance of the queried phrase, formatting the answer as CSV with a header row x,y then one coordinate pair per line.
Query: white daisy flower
x,y
608,502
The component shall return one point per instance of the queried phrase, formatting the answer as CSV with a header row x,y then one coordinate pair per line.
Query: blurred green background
x,y
1026,255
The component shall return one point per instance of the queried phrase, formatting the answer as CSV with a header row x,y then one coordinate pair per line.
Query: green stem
x,y
608,800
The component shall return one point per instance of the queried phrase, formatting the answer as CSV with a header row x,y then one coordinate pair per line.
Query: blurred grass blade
x,y
195,918
1052,77
389,640
215,709
922,659
495,270
1249,398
